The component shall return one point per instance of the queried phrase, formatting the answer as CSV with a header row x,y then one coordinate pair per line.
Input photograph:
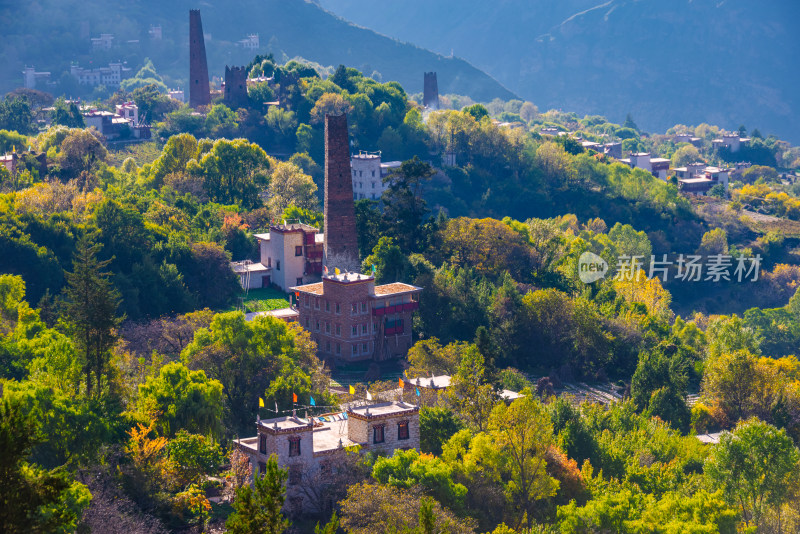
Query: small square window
x,y
377,434
327,305
278,265
364,348
363,307
294,446
402,430
364,328
338,309
355,349
338,330
262,444
298,250
299,281
355,330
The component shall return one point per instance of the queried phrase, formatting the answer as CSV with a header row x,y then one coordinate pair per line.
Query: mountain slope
x,y
290,27
686,61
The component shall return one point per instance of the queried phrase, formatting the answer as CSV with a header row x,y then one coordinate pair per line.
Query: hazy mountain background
x,y
49,34
725,62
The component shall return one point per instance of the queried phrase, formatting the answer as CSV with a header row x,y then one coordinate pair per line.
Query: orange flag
x,y
294,397
402,384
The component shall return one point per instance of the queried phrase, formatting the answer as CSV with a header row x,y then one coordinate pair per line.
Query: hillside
x,y
287,28
667,63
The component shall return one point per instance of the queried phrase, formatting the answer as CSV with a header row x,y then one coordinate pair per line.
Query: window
x,y
278,265
364,348
354,308
373,175
363,307
373,185
402,430
294,446
338,348
338,309
269,262
307,327
338,330
262,467
317,327
374,327
364,328
377,434
300,281
355,349
360,174
298,250
262,444
327,305
355,196
327,346
327,327
355,331
316,303
295,473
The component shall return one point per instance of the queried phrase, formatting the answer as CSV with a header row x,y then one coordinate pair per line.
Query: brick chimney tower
x,y
430,94
199,92
341,240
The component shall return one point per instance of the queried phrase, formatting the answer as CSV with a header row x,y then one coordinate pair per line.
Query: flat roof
x,y
659,160
284,423
695,180
383,408
314,289
241,267
433,382
263,237
395,288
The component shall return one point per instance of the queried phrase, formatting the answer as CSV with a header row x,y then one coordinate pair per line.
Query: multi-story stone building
x,y
368,174
352,319
309,447
291,254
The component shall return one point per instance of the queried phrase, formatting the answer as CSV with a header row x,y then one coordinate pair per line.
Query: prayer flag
x,y
312,400
325,268
352,390
417,392
294,397
369,396
337,271
260,402
402,384
373,268
276,406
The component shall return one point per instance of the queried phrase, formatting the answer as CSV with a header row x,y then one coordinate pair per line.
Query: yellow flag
x,y
337,271
352,390
260,402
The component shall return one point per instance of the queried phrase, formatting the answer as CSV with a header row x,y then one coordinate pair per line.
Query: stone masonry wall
x,y
341,243
199,92
235,87
430,95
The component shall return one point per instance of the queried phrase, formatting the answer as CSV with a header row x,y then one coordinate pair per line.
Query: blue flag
x,y
417,392
312,400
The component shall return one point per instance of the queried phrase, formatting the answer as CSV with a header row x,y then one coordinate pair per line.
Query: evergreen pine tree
x,y
90,308
258,508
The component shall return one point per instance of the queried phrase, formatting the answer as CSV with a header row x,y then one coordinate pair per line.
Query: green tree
x,y
33,499
90,306
178,398
659,385
756,466
436,425
16,115
478,111
403,205
257,510
470,394
389,261
685,155
67,114
81,151
289,185
194,457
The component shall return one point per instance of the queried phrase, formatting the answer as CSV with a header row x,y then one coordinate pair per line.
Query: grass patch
x,y
262,299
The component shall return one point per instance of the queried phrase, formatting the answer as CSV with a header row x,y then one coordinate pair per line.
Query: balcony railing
x,y
397,308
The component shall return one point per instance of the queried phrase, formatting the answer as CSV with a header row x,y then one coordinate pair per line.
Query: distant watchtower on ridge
x,y
235,87
199,92
430,95
341,242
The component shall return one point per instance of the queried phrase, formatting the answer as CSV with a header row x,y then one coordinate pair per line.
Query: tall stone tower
x,y
430,94
235,87
341,240
199,92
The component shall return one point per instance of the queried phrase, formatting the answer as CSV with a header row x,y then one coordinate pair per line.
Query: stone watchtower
x,y
430,95
341,243
235,87
199,92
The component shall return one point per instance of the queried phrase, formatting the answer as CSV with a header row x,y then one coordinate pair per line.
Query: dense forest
x,y
127,368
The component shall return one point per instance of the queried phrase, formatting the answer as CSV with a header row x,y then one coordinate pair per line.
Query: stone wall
x,y
341,242
199,91
235,87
